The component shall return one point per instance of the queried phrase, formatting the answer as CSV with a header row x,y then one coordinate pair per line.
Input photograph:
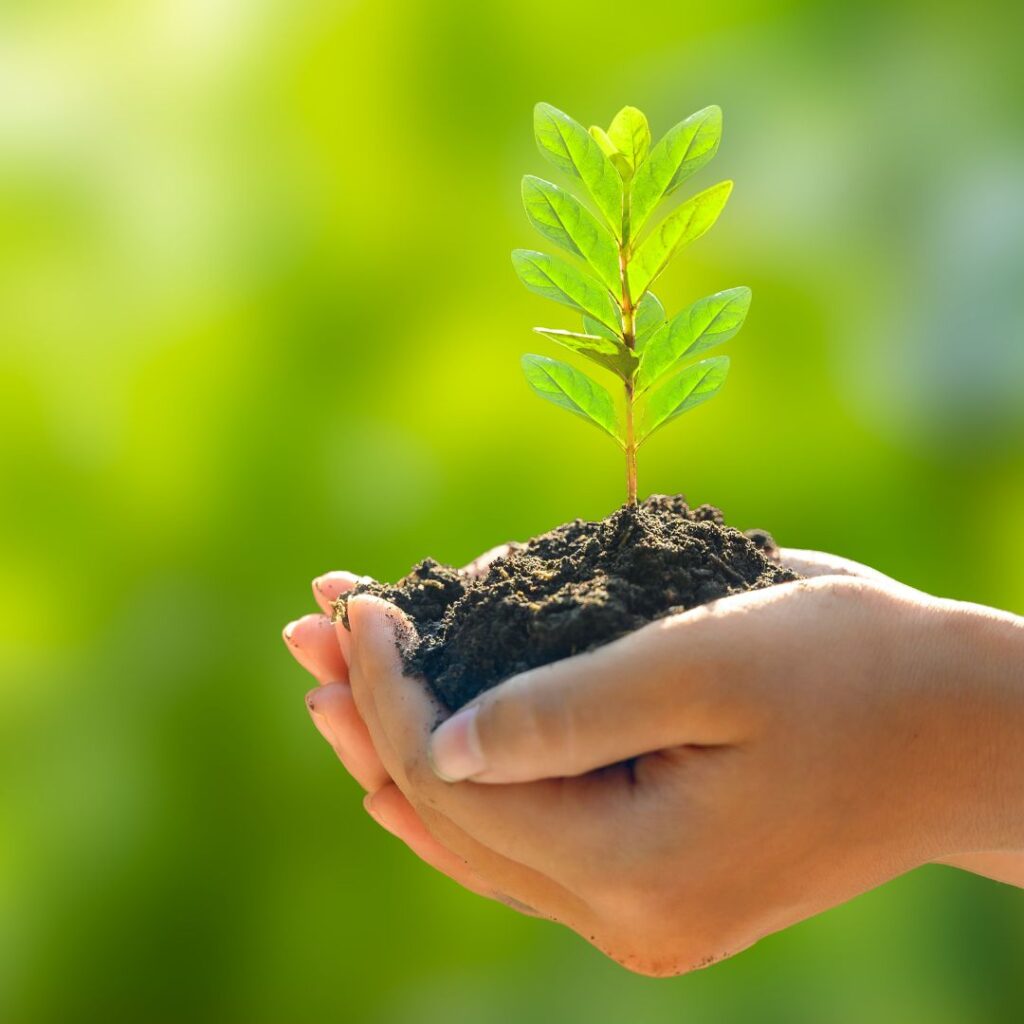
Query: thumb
x,y
633,696
822,563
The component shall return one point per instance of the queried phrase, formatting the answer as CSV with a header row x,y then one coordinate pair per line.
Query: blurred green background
x,y
258,320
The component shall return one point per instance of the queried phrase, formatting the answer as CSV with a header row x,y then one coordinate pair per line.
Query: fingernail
x,y
375,813
288,631
320,720
318,583
454,749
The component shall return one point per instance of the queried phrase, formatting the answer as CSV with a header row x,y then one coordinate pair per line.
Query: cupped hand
x,y
322,648
711,778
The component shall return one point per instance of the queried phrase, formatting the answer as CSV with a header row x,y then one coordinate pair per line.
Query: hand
x,y
753,804
322,649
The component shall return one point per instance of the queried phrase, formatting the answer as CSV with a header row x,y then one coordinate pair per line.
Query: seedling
x,y
625,329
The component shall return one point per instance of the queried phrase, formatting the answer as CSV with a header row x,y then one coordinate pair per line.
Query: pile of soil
x,y
570,590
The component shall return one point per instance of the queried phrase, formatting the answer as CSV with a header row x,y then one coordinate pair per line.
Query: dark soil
x,y
575,588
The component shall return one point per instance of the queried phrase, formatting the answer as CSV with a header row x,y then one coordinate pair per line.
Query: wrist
x,y
977,656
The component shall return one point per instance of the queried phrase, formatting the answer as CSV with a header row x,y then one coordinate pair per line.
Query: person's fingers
x,y
331,585
334,714
313,642
379,683
327,589
670,684
821,563
391,810
551,826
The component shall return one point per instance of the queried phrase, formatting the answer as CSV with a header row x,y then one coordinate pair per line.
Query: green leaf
x,y
685,149
708,322
630,134
561,217
591,326
649,316
600,136
622,165
612,355
572,149
555,279
683,225
585,343
570,389
688,389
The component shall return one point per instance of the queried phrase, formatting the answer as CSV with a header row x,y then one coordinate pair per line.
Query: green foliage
x,y
609,352
621,163
684,150
685,391
684,225
708,322
572,149
555,279
650,315
625,328
565,386
562,218
630,134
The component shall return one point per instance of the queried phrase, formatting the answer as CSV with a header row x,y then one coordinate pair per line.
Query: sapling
x,y
584,584
625,329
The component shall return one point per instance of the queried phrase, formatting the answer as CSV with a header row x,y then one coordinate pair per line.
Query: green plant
x,y
625,329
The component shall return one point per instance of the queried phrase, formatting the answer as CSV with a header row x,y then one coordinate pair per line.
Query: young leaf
x,y
572,149
702,142
622,165
612,355
630,134
685,391
649,316
600,136
567,387
685,149
555,279
683,225
708,322
561,217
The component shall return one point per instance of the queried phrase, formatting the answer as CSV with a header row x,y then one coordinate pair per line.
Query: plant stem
x,y
630,448
629,337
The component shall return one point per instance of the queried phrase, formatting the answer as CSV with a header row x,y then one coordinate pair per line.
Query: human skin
x,y
709,779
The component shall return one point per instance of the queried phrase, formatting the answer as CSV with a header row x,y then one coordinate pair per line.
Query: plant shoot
x,y
625,329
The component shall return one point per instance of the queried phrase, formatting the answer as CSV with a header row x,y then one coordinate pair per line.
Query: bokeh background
x,y
257,320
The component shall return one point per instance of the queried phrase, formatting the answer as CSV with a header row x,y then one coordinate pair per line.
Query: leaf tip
x,y
546,110
530,186
709,115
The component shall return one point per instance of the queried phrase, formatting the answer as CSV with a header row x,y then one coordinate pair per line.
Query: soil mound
x,y
576,587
